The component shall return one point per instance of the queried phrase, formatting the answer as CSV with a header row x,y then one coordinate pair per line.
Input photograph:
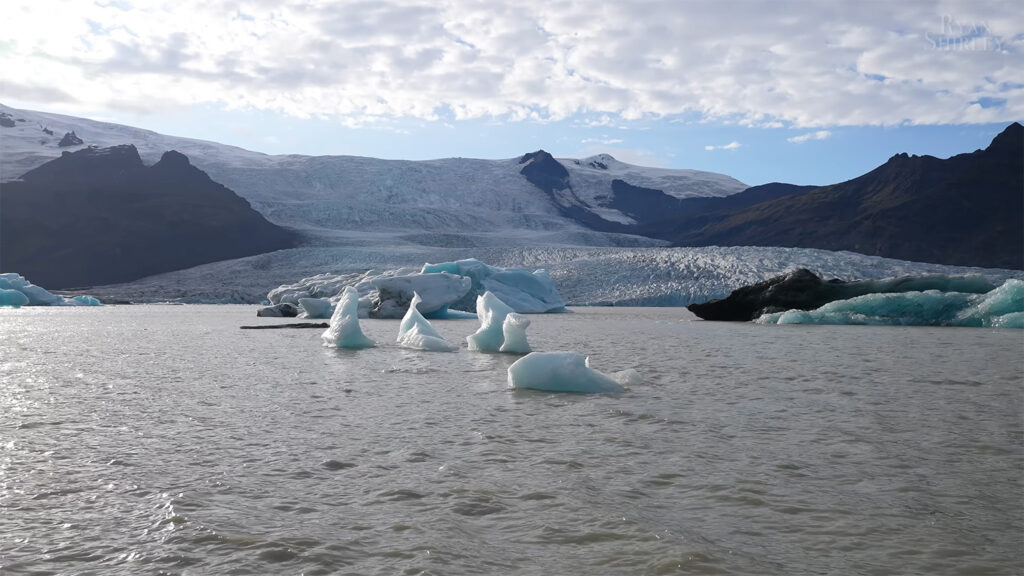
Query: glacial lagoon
x,y
162,439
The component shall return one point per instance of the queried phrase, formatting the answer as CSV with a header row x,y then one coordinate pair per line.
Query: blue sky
x,y
802,92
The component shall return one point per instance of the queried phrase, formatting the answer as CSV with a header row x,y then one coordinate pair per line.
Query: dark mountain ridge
x,y
100,216
966,210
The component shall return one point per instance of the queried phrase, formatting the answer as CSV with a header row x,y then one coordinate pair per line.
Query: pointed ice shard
x,y
416,333
344,330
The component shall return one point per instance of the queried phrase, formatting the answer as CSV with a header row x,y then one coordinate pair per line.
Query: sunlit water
x,y
163,439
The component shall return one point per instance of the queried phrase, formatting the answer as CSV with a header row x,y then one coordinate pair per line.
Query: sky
x,y
808,92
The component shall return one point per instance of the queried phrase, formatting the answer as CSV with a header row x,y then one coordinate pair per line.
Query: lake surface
x,y
164,440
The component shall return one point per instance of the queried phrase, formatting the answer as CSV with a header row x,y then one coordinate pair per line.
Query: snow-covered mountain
x,y
447,202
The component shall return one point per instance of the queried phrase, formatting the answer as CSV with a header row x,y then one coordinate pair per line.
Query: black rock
x,y
70,139
48,131
6,121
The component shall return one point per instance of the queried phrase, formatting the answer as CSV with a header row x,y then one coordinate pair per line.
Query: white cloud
x,y
819,135
789,62
608,141
730,146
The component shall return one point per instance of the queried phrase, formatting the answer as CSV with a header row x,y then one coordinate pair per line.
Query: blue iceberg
x,y
32,295
514,331
492,312
524,291
1002,307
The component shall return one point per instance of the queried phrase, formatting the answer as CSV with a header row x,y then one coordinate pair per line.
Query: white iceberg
x,y
492,312
318,307
524,291
436,291
560,372
514,332
344,330
416,332
35,295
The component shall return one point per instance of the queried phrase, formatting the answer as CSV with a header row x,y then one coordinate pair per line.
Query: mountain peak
x,y
93,164
1009,142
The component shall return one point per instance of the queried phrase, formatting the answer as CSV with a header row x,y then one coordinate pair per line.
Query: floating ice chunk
x,y
514,331
559,372
416,333
344,330
492,312
318,307
437,291
12,298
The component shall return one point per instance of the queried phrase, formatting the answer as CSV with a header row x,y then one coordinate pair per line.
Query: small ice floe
x,y
493,313
344,330
416,332
560,372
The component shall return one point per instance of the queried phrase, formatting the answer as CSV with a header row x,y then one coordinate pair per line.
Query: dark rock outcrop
x,y
100,216
6,120
70,139
801,289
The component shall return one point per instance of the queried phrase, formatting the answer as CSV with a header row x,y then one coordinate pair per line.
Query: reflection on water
x,y
163,439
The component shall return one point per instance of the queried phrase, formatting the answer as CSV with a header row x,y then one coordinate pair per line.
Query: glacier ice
x,y
317,307
492,312
524,291
1002,307
416,332
36,295
560,372
436,291
344,330
514,331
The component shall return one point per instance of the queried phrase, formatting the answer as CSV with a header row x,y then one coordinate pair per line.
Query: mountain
x,y
348,200
966,210
100,215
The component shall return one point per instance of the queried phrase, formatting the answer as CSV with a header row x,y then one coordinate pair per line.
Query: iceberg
x,y
317,307
492,312
1002,307
560,372
12,298
514,331
33,295
436,291
524,291
344,330
416,332
282,310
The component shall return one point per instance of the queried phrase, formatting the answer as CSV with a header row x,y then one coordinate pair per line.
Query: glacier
x,y
416,332
344,330
1001,307
12,284
560,372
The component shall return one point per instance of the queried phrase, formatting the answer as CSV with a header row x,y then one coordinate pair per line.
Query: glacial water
x,y
165,440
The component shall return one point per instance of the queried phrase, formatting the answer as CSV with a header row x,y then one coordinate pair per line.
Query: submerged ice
x,y
417,333
344,330
560,372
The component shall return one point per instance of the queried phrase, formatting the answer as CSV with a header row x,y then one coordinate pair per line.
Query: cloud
x,y
730,146
819,135
601,141
787,63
